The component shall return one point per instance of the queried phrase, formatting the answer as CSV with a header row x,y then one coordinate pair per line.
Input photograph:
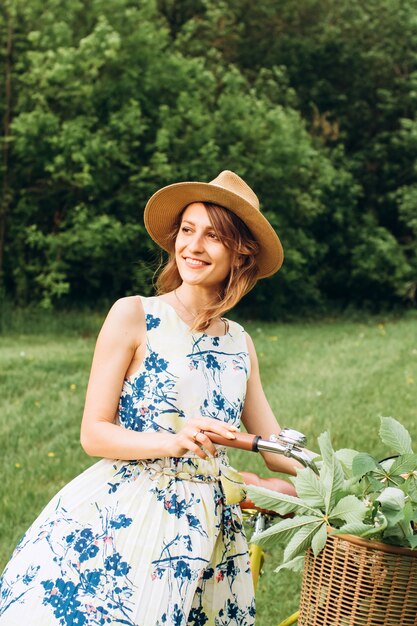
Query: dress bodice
x,y
184,374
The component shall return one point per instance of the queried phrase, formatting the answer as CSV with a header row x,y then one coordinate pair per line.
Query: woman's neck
x,y
194,298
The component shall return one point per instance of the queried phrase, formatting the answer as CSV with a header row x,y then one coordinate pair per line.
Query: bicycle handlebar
x,y
288,443
243,441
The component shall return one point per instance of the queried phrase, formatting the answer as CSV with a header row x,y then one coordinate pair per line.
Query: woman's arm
x,y
120,349
259,419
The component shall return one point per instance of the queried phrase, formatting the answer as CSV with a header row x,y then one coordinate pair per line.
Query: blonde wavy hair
x,y
243,276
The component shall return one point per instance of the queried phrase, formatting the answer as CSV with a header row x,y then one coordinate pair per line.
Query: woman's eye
x,y
185,229
212,235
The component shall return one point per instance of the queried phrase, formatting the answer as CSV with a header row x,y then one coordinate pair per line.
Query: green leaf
x,y
310,488
283,530
295,565
395,518
375,484
412,541
395,435
391,499
386,464
403,464
302,539
359,529
411,487
398,534
319,540
346,456
393,505
279,502
350,509
331,474
362,464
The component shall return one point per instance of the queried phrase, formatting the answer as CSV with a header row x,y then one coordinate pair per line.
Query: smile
x,y
195,262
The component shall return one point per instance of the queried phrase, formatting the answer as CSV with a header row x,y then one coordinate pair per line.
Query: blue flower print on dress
x,y
129,414
150,396
62,596
155,364
121,521
152,321
176,618
90,600
126,531
123,473
179,507
215,363
178,570
115,564
197,617
211,361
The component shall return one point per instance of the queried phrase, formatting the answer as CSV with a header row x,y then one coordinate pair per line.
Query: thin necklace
x,y
193,315
225,321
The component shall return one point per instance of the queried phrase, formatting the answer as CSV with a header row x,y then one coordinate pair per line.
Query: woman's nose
x,y
196,243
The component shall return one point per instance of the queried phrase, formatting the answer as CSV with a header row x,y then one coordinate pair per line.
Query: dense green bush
x,y
106,102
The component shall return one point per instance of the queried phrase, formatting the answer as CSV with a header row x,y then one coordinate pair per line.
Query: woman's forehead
x,y
196,214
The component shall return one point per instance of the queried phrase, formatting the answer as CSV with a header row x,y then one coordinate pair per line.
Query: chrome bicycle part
x,y
260,524
288,443
290,437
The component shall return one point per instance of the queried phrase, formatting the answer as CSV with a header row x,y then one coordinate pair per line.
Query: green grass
x,y
337,375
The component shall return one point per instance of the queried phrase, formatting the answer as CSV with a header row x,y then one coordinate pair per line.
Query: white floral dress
x,y
147,543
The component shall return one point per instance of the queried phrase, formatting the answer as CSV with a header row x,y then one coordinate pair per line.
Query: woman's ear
x,y
239,260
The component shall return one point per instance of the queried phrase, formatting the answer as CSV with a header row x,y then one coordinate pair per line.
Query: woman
x,y
155,537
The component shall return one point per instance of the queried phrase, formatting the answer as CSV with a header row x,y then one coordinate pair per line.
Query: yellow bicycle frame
x,y
256,560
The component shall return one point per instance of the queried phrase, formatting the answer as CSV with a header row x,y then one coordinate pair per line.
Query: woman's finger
x,y
220,430
205,441
213,425
198,451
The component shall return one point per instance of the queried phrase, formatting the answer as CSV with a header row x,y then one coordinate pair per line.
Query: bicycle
x,y
288,443
353,580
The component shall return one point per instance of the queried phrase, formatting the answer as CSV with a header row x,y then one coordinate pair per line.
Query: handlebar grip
x,y
243,441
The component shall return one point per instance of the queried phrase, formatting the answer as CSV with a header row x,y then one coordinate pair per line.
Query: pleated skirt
x,y
133,543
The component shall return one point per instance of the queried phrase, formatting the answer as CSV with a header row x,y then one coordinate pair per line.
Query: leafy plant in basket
x,y
353,493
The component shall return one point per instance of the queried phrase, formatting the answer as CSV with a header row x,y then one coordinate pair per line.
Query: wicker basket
x,y
355,582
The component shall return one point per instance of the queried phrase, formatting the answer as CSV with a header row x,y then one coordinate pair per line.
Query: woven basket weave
x,y
355,582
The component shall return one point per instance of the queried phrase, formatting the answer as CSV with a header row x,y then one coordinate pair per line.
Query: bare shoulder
x,y
129,309
126,318
251,345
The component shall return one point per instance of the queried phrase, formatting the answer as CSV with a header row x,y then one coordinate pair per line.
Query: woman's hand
x,y
192,437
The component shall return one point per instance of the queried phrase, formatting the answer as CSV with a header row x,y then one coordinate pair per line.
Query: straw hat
x,y
227,190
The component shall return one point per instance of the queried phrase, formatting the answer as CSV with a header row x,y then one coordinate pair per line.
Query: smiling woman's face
x,y
201,257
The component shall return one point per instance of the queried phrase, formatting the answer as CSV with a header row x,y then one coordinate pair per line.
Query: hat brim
x,y
166,204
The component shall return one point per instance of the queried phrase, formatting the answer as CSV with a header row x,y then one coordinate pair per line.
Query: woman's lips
x,y
195,263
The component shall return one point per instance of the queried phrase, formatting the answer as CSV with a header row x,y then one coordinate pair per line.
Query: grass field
x,y
336,375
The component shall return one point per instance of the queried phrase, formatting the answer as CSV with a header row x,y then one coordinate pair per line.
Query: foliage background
x,y
313,102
